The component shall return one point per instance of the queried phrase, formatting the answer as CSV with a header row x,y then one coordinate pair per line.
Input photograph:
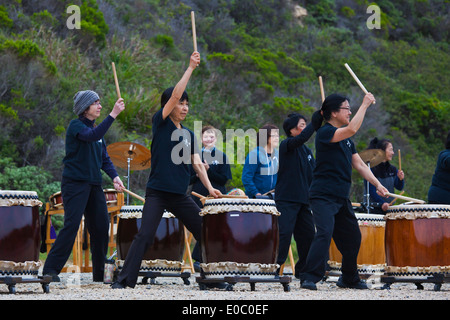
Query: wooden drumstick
x,y
357,80
194,34
399,160
322,92
115,80
134,195
390,203
405,198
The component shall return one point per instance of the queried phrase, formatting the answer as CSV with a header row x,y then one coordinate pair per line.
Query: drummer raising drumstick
x,y
330,189
169,177
81,185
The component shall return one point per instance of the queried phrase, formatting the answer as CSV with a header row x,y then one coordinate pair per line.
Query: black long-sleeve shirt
x,y
295,169
82,162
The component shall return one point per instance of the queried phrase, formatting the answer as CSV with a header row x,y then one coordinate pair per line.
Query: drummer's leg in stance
x,y
75,195
155,203
97,223
324,211
295,219
347,237
187,211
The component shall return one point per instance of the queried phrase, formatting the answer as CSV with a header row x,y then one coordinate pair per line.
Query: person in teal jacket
x,y
259,174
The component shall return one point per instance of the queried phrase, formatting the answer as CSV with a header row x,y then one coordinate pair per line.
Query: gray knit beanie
x,y
82,100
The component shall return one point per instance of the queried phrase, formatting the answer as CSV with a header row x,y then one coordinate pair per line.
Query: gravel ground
x,y
79,286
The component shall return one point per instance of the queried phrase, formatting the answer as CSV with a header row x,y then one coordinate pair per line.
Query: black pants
x,y
182,206
295,219
333,217
81,198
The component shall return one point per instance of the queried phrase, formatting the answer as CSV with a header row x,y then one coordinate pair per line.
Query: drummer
x,y
329,192
215,162
292,188
169,176
439,191
259,175
81,185
386,173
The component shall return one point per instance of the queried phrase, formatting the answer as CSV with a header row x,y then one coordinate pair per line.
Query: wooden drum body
x,y
110,196
418,240
239,237
166,253
20,233
371,256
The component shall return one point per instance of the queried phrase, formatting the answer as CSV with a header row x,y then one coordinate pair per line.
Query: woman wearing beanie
x,y
81,185
329,192
173,149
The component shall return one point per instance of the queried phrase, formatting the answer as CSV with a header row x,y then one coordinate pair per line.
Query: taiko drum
x,y
371,256
168,245
239,236
417,240
19,232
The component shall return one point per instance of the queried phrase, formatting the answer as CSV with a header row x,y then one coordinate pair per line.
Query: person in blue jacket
x,y
81,185
259,175
439,191
387,174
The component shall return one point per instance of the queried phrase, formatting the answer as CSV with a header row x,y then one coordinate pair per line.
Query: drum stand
x,y
437,278
232,280
11,282
152,275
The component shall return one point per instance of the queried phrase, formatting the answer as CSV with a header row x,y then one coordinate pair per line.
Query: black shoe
x,y
55,277
117,285
216,285
197,267
306,284
360,285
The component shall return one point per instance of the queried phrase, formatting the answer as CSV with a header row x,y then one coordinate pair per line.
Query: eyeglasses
x,y
97,102
346,108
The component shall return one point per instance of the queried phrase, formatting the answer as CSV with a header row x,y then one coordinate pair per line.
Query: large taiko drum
x,y
239,237
166,253
418,240
20,236
371,257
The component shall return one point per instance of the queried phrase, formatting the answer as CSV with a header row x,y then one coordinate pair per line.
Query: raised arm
x,y
354,125
181,85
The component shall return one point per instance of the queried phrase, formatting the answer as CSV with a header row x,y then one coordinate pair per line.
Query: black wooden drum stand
x,y
232,280
11,282
437,278
152,275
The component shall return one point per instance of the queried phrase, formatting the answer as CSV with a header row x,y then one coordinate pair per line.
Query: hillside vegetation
x,y
260,61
